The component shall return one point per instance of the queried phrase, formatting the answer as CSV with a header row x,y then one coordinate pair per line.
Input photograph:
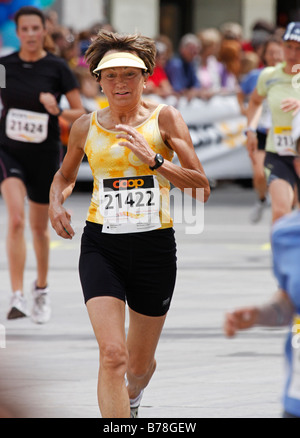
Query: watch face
x,y
159,158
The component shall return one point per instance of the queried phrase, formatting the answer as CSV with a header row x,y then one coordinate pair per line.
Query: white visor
x,y
120,59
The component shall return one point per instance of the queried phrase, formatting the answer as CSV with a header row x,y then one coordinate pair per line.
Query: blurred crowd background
x,y
211,62
215,60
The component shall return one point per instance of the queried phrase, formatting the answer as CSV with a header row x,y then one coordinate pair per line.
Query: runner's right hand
x,y
240,319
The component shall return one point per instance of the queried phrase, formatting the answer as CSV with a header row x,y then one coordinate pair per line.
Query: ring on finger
x,y
67,231
130,137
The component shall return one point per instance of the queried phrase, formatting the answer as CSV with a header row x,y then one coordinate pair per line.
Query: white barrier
x,y
217,131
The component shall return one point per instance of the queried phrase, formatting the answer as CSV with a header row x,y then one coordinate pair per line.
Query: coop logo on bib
x,y
131,183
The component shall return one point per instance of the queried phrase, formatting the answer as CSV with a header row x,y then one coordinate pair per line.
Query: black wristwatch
x,y
60,112
159,160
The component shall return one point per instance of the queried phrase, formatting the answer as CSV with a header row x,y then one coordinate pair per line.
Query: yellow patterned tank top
x,y
125,190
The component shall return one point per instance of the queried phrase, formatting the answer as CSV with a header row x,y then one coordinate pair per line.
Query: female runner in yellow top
x,y
128,249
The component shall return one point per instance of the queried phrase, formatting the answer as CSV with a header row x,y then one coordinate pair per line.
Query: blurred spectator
x,y
91,99
51,20
168,43
101,25
86,36
249,62
181,69
67,45
231,31
258,42
210,69
230,57
159,83
279,32
84,40
264,25
89,89
260,32
62,38
49,45
71,51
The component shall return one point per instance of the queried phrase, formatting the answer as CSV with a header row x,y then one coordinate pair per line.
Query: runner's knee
x,y
39,232
114,357
141,369
17,223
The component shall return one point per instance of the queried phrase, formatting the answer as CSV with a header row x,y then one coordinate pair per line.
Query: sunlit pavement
x,y
51,370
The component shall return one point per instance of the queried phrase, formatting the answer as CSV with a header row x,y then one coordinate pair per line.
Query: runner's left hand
x,y
290,104
50,103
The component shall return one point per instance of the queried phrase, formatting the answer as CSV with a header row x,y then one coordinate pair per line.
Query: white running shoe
x,y
41,310
257,211
18,306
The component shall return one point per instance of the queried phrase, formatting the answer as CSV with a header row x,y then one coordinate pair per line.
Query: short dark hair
x,y
29,10
142,46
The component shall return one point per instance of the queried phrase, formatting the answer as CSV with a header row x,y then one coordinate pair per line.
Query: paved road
x,y
51,370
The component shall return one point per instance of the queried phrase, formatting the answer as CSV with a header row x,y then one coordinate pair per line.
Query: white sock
x,y
135,402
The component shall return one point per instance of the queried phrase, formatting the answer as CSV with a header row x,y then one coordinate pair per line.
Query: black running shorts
x,y
138,268
36,170
281,167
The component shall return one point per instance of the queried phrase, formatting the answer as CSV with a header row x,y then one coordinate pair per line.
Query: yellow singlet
x,y
109,162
